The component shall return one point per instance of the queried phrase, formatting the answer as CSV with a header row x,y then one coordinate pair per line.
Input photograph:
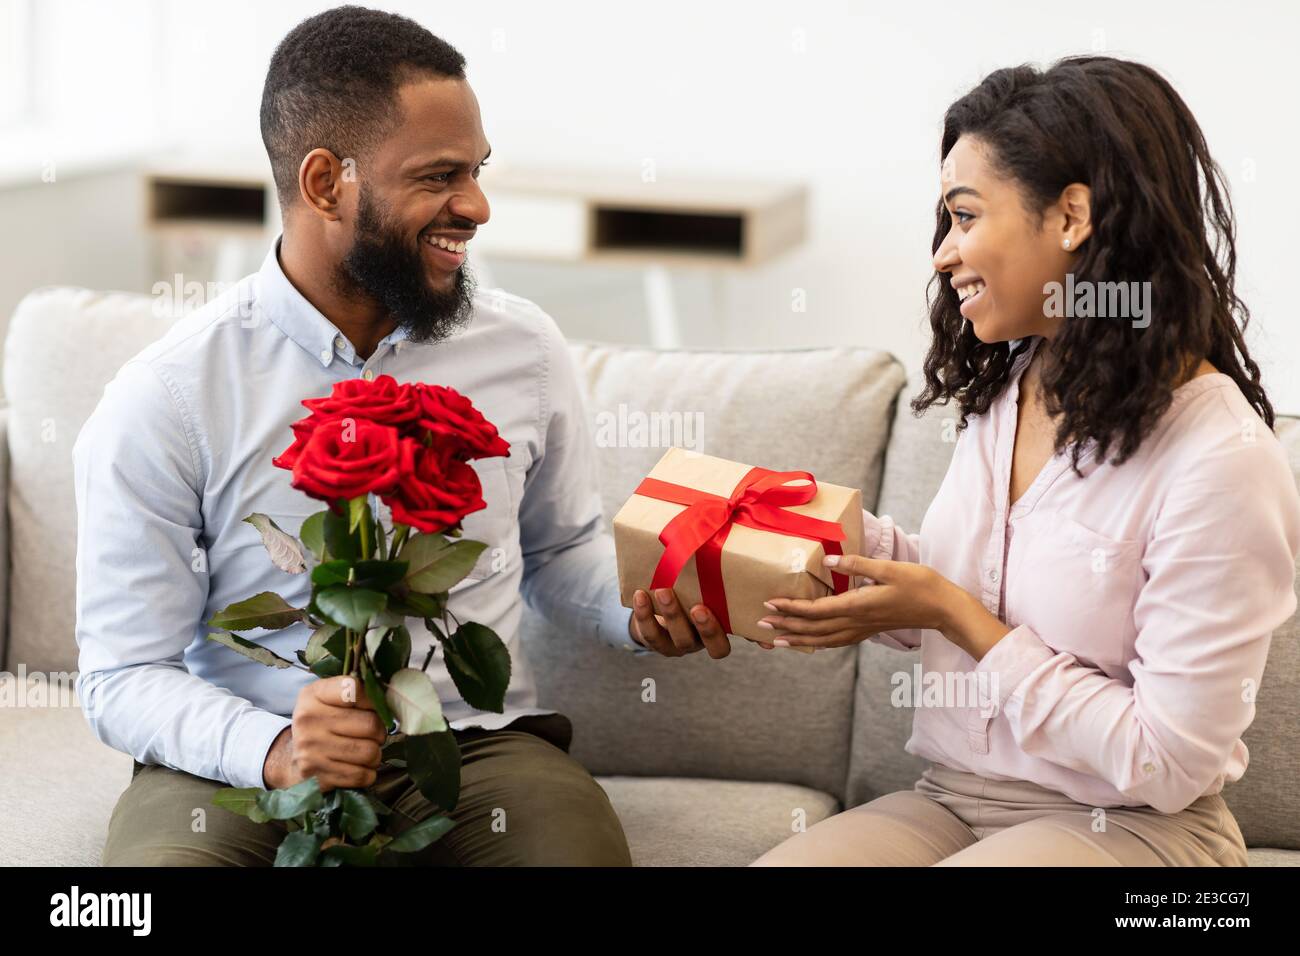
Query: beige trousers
x,y
953,818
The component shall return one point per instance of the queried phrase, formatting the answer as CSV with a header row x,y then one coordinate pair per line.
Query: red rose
x,y
456,424
408,443
382,401
302,431
435,490
346,457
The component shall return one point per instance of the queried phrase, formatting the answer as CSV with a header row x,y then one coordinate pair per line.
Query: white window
x,y
15,61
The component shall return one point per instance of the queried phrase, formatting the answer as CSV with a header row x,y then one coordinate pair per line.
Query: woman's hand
x,y
904,595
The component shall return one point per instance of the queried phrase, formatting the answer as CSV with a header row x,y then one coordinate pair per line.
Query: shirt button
x,y
1148,768
993,574
325,355
368,374
339,342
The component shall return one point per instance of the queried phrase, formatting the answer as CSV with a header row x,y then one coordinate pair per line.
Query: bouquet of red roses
x,y
410,445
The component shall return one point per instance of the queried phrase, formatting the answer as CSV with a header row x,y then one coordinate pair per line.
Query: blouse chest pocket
x,y
1075,588
496,525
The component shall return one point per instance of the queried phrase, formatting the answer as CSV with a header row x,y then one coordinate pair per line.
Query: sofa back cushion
x,y
758,715
915,463
63,347
780,716
1265,801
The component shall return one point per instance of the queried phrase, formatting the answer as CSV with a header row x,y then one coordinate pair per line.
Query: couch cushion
x,y
64,345
915,463
684,822
780,715
62,784
827,411
778,409
1267,856
58,788
1265,800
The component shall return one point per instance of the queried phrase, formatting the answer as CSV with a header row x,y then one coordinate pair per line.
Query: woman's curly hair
x,y
1160,214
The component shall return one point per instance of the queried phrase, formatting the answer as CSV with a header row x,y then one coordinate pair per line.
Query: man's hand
x,y
666,629
335,737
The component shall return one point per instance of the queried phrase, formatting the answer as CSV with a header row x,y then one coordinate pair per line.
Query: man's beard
x,y
382,266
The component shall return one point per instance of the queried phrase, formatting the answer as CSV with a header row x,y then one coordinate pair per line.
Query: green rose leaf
x,y
379,575
241,800
339,542
479,665
433,761
358,511
390,650
350,607
299,848
389,617
414,702
422,834
263,655
325,641
292,801
328,666
359,818
267,610
284,549
412,604
374,638
320,817
375,691
343,855
312,534
330,574
436,564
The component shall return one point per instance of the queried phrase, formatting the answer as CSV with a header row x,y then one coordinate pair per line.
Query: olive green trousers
x,y
524,802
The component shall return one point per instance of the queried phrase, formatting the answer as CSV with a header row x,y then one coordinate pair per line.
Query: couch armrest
x,y
4,536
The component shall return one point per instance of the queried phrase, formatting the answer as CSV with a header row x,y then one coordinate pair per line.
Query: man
x,y
376,144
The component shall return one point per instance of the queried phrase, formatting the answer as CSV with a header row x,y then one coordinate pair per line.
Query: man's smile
x,y
447,249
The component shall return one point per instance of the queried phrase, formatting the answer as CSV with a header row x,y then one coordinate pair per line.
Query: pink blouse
x,y
1142,599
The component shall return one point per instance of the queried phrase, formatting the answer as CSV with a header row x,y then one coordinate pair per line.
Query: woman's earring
x,y
1065,244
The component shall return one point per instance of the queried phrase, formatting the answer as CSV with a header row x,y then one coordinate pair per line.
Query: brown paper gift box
x,y
756,564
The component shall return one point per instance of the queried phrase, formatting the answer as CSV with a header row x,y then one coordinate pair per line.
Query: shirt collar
x,y
301,321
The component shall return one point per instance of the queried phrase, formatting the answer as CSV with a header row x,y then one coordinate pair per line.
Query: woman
x,y
1097,580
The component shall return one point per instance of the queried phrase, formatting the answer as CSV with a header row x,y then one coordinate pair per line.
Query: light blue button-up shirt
x,y
179,451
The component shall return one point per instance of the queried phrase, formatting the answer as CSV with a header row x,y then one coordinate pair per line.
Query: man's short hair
x,y
332,84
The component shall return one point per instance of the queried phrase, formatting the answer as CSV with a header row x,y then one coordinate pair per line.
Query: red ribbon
x,y
758,501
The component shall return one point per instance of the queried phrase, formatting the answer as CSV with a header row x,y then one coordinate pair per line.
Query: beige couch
x,y
725,758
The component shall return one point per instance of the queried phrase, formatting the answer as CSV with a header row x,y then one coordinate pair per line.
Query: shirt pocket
x,y
1075,588
496,525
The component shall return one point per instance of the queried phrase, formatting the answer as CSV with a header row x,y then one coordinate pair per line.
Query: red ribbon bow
x,y
758,501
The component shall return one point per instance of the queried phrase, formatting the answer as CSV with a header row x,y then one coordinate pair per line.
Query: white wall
x,y
846,96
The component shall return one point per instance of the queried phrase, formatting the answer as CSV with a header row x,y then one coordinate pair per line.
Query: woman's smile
x,y
970,290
